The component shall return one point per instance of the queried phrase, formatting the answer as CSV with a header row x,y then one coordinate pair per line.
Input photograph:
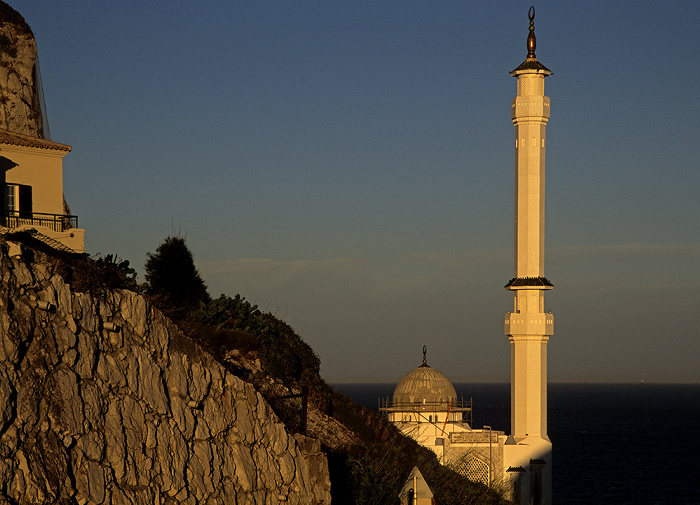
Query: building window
x,y
25,201
11,198
18,200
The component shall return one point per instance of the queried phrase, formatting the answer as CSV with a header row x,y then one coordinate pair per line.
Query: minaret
x,y
529,326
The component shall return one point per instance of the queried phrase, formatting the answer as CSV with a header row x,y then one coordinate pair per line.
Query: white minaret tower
x,y
529,326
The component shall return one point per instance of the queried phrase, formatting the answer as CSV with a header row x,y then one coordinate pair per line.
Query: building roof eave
x,y
19,139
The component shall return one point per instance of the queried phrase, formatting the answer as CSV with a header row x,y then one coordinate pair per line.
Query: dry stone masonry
x,y
103,400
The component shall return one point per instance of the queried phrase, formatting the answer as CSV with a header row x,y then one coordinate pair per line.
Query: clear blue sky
x,y
349,167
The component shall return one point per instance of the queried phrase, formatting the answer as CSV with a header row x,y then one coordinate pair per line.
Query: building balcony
x,y
54,222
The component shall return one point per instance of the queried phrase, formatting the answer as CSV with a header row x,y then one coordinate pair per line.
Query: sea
x,y
613,444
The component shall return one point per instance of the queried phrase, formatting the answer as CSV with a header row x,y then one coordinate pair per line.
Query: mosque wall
x,y
465,448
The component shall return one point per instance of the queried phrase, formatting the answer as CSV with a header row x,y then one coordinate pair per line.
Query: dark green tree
x,y
171,274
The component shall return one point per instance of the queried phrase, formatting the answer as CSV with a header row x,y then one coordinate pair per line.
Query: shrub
x,y
283,354
95,275
171,274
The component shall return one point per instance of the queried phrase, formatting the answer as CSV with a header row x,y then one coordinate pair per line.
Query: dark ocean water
x,y
613,444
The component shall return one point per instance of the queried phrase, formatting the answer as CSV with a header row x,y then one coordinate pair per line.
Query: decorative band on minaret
x,y
529,326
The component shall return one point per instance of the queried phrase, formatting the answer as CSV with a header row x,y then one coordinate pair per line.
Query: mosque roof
x,y
424,385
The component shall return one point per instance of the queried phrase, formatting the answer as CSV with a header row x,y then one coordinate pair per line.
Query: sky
x,y
348,166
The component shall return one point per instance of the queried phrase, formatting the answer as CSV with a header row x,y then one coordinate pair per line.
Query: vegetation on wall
x,y
11,16
7,47
104,273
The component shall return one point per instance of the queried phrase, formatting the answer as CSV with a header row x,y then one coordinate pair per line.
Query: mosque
x,y
425,404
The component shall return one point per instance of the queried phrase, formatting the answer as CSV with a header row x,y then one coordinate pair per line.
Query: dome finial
x,y
425,360
531,40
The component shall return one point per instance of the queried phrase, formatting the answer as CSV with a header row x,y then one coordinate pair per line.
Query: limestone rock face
x,y
133,414
20,110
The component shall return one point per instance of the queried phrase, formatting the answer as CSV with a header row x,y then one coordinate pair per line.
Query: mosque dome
x,y
424,385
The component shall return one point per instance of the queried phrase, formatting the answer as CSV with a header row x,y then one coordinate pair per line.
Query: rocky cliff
x,y
103,400
20,109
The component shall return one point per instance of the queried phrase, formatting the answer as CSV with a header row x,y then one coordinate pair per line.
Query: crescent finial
x,y
531,40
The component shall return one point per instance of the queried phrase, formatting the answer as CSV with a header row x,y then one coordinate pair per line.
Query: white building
x,y
425,405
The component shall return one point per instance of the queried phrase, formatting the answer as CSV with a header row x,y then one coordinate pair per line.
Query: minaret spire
x,y
531,39
531,62
529,326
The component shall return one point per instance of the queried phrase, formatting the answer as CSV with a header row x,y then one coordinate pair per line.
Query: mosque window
x,y
516,491
474,469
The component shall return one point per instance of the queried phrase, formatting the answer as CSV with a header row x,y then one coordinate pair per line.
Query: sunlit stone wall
x,y
102,400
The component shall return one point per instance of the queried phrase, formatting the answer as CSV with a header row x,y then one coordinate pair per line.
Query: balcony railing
x,y
387,405
55,222
457,407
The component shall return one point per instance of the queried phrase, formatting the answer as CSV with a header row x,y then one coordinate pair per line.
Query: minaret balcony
x,y
524,107
537,324
517,283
